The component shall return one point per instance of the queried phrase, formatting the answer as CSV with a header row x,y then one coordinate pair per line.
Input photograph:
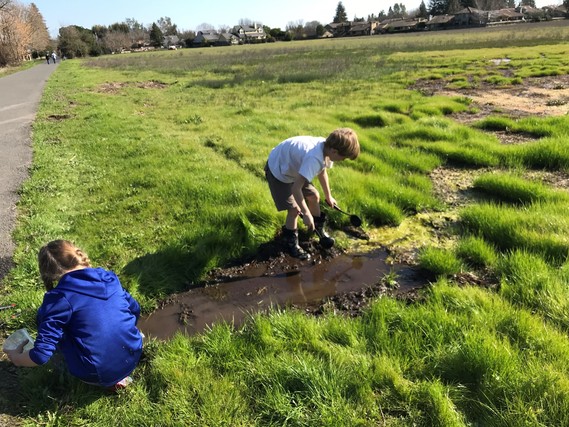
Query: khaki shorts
x,y
282,191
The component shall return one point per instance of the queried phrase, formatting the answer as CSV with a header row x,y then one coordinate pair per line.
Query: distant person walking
x,y
47,57
54,57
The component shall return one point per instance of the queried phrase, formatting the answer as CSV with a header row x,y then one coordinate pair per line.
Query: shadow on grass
x,y
29,392
9,392
6,263
179,268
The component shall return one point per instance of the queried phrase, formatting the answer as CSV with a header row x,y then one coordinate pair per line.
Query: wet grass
x,y
153,164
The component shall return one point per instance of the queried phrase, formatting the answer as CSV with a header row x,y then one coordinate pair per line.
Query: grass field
x,y
153,164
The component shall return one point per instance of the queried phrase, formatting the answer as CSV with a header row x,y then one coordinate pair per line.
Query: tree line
x,y
24,34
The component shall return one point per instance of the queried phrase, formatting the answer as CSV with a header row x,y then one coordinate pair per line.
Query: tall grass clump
x,y
476,252
539,228
450,142
529,281
536,128
549,154
439,261
514,189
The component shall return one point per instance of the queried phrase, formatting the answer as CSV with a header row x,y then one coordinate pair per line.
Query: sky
x,y
191,14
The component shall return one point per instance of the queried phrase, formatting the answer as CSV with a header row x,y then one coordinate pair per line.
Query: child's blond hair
x,y
57,258
345,141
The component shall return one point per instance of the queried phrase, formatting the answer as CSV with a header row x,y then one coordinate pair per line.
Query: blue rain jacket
x,y
91,319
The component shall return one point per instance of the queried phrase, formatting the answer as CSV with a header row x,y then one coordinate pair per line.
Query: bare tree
x,y
4,3
296,29
223,29
205,27
313,29
166,26
116,41
15,34
39,34
246,22
138,34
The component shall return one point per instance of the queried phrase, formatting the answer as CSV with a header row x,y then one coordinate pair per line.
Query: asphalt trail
x,y
20,94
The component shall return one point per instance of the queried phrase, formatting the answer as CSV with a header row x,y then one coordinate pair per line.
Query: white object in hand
x,y
16,339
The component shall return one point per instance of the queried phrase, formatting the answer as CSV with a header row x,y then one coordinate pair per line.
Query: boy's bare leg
x,y
313,205
291,219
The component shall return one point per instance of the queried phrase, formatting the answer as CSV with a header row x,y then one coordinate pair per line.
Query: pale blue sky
x,y
188,14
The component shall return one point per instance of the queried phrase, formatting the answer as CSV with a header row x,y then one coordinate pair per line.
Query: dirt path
x,y
21,93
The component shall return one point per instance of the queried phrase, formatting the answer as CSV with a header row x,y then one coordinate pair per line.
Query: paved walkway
x,y
20,94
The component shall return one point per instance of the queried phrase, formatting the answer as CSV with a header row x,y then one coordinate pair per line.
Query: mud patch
x,y
115,87
58,117
453,186
535,96
556,179
344,282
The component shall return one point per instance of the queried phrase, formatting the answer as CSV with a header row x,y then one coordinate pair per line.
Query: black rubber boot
x,y
325,240
290,238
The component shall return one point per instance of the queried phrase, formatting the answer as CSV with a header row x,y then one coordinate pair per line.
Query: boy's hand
x,y
330,201
308,220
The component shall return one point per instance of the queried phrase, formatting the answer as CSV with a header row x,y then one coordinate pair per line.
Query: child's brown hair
x,y
57,258
345,141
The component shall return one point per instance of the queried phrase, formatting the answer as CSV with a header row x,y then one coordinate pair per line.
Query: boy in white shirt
x,y
290,169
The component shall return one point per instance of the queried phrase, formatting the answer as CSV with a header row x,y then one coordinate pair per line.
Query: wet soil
x,y
337,281
536,96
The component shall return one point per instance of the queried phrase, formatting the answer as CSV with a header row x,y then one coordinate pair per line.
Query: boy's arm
x,y
325,183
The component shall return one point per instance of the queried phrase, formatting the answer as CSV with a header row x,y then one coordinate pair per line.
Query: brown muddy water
x,y
260,287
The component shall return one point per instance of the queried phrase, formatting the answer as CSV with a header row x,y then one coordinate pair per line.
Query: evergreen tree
x,y
528,3
472,3
438,7
341,15
396,11
423,10
156,36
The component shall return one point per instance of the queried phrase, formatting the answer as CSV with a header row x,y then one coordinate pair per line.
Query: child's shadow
x,y
10,389
28,392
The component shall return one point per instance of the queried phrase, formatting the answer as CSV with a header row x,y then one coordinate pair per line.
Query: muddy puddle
x,y
259,287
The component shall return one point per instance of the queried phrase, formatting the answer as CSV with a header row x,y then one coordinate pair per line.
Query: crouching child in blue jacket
x,y
87,316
